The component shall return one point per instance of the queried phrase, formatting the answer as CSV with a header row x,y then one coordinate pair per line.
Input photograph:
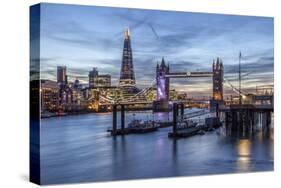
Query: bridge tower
x,y
217,84
162,84
217,79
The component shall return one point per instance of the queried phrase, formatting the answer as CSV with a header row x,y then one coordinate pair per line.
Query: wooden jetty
x,y
242,117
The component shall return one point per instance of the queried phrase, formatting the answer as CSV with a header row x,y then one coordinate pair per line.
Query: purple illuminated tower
x,y
162,100
127,75
162,82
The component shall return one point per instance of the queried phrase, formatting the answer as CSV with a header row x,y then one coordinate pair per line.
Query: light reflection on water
x,y
244,152
78,149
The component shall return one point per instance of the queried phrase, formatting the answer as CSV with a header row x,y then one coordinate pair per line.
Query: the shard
x,y
127,75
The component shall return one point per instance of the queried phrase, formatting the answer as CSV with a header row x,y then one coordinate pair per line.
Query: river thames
x,y
78,148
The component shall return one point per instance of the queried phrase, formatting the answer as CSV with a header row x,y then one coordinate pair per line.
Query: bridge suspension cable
x,y
234,88
108,99
129,99
143,91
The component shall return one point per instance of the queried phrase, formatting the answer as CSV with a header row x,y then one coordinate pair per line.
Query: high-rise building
x,y
61,75
102,80
127,75
92,75
99,80
49,92
76,84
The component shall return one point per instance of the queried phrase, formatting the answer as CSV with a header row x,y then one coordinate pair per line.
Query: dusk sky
x,y
83,37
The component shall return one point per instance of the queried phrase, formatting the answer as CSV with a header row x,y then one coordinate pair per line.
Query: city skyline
x,y
83,37
126,94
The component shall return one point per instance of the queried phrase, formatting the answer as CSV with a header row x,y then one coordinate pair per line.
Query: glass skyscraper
x,y
127,75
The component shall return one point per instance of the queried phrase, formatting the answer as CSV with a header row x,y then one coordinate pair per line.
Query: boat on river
x,y
185,124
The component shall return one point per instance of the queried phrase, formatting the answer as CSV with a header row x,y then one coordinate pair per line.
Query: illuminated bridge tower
x,y
162,83
217,79
217,83
127,75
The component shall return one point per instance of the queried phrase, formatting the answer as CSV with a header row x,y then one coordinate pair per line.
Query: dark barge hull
x,y
184,133
165,124
144,130
132,131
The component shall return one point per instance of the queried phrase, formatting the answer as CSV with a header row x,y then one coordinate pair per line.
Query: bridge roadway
x,y
189,74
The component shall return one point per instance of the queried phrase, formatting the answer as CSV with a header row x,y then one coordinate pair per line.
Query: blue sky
x,y
82,37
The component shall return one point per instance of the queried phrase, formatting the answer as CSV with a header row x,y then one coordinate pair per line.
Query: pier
x,y
115,130
241,118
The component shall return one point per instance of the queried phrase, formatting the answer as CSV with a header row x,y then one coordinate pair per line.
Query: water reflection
x,y
119,154
78,149
175,149
244,154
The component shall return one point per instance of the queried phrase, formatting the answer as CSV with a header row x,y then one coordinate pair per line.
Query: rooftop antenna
x,y
127,33
240,98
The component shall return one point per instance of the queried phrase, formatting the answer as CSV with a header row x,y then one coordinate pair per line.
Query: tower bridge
x,y
163,76
162,85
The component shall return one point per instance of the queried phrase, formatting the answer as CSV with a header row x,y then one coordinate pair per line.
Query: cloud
x,y
261,65
84,37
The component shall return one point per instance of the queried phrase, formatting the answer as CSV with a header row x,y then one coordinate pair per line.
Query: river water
x,y
78,149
